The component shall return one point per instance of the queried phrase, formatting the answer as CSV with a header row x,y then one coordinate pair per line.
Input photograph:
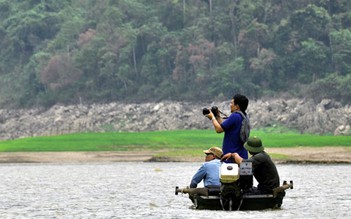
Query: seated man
x,y
209,171
263,168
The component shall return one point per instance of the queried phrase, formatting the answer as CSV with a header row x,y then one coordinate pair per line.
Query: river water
x,y
146,190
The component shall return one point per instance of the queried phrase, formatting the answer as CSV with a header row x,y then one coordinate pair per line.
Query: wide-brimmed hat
x,y
216,151
254,144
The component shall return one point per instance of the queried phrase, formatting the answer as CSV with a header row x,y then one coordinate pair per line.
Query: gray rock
x,y
326,117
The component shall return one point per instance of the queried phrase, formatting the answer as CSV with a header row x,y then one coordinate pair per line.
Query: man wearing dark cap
x,y
209,171
264,170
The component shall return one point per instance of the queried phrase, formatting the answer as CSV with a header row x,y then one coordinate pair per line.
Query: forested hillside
x,y
85,51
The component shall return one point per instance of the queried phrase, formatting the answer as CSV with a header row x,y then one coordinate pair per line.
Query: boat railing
x,y
205,191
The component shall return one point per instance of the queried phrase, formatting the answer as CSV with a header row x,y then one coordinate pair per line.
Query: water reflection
x,y
129,190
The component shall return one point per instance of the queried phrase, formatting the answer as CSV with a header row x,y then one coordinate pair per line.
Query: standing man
x,y
232,126
209,171
263,168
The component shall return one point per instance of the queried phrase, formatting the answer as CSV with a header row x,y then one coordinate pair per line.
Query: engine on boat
x,y
234,180
229,172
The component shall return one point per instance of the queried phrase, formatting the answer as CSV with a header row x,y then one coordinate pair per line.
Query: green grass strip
x,y
160,140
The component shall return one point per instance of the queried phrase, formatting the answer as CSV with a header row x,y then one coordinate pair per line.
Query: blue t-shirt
x,y
231,140
209,172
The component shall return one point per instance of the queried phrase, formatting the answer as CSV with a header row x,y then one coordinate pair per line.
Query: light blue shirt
x,y
209,172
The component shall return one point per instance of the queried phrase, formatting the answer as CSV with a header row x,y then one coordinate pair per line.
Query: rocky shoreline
x,y
306,116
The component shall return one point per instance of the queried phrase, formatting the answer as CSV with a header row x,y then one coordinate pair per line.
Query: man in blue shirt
x,y
231,126
209,171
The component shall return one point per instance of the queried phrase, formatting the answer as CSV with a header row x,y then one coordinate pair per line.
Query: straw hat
x,y
215,151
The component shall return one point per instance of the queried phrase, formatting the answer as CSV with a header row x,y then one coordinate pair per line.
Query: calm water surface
x,y
146,190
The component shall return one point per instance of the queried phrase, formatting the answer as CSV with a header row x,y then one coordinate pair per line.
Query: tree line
x,y
86,51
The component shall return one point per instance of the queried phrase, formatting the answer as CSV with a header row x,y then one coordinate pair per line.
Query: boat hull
x,y
248,202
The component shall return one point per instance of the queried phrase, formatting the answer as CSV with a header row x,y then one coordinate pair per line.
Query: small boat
x,y
215,198
204,198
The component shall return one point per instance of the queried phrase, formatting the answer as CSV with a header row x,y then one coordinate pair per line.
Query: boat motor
x,y
230,195
229,172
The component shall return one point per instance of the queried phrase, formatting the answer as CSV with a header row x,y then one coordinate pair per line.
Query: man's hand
x,y
226,156
216,122
210,115
237,158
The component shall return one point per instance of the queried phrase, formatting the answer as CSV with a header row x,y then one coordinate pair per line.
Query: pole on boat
x,y
176,190
284,187
192,191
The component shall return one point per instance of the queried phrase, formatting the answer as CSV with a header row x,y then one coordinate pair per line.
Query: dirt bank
x,y
281,155
312,154
73,157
